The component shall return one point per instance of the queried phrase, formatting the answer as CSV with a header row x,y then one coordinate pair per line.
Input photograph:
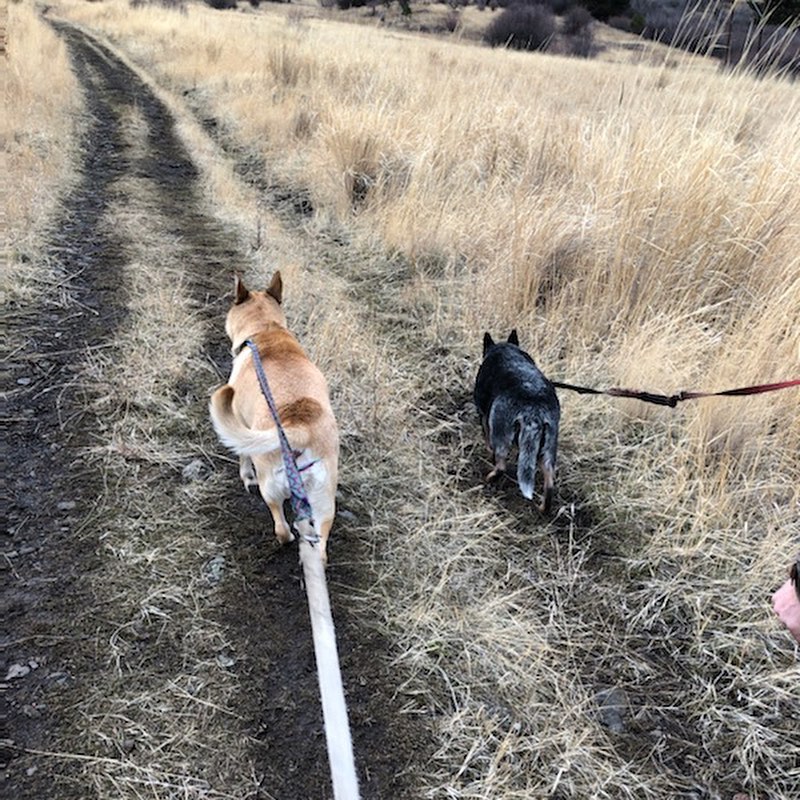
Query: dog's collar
x,y
241,346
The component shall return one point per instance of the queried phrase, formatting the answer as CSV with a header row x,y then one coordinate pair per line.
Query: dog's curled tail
x,y
244,441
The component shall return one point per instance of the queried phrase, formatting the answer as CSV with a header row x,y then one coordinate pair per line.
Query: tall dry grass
x,y
37,130
639,224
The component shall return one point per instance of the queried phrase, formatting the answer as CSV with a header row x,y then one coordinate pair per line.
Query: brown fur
x,y
243,421
302,412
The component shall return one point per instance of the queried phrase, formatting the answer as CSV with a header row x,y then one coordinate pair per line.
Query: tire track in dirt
x,y
45,474
63,501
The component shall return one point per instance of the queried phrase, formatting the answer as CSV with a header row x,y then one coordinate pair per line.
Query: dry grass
x,y
37,140
639,225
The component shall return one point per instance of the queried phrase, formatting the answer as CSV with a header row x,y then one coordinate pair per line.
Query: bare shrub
x,y
559,7
172,5
576,20
452,21
621,23
522,28
581,44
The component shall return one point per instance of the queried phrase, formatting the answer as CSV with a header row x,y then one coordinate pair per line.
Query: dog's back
x,y
517,404
244,422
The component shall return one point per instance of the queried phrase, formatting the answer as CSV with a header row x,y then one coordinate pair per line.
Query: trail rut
x,y
168,649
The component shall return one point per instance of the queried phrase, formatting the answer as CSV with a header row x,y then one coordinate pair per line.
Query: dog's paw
x,y
546,506
247,472
492,476
284,536
250,483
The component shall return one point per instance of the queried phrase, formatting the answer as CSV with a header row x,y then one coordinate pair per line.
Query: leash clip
x,y
310,535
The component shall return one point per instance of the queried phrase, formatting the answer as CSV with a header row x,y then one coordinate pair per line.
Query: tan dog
x,y
243,421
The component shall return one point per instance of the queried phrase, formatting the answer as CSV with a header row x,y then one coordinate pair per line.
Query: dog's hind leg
x,y
547,463
324,530
283,531
247,472
499,468
548,489
485,427
501,433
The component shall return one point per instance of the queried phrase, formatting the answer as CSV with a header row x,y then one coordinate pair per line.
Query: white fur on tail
x,y
530,436
238,437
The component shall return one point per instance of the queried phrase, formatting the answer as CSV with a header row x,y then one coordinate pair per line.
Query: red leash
x,y
674,399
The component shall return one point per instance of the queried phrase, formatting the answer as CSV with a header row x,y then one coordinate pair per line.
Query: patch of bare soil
x,y
60,607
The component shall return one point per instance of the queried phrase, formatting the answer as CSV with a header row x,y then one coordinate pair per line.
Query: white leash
x,y
334,710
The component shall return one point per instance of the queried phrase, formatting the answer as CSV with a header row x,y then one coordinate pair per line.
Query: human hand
x,y
786,605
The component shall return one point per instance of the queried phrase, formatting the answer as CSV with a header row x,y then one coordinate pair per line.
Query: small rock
x,y
59,678
17,671
66,505
613,706
225,660
127,745
213,570
194,471
24,381
31,771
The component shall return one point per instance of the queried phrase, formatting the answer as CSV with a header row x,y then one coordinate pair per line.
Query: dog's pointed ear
x,y
240,292
513,338
487,342
275,289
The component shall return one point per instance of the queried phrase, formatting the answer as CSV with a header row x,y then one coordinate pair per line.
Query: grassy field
x,y
639,224
38,137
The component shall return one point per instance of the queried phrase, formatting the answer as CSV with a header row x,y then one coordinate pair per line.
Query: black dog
x,y
518,405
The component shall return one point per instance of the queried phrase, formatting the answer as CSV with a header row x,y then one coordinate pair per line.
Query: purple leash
x,y
298,497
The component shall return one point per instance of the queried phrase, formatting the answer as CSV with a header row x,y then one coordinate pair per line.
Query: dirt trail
x,y
264,737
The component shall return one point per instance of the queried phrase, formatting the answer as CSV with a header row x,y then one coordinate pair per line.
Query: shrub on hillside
x,y
581,44
452,21
172,5
621,23
576,20
603,9
559,7
577,33
522,28
553,5
221,5
637,23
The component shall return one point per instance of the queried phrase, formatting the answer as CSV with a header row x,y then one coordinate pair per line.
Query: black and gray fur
x,y
518,405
